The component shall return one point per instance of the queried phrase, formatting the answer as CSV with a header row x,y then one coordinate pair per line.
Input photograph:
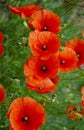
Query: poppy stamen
x,y
40,88
25,118
44,68
44,47
78,55
62,62
45,28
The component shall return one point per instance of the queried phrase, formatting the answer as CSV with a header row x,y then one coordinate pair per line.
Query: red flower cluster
x,y
40,19
41,68
71,56
47,56
1,47
26,114
2,93
44,45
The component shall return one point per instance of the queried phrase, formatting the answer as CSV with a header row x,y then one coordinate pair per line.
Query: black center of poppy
x,y
62,62
45,28
25,118
78,55
44,68
40,88
44,47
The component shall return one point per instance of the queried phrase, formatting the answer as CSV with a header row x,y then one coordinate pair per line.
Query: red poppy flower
x,y
41,68
2,93
1,47
82,100
42,86
26,114
78,46
68,59
25,11
45,20
43,44
73,113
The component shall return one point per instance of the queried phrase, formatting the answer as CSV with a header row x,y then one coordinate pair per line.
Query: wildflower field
x,y
41,65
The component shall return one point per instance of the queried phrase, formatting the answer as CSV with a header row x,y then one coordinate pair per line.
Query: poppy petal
x,y
78,46
40,86
25,11
2,93
82,99
1,47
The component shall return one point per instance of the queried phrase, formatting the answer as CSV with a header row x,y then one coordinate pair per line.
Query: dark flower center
x,y
45,28
44,47
25,118
44,68
62,62
78,55
40,88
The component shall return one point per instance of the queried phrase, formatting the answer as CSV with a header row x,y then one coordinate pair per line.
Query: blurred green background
x,y
16,52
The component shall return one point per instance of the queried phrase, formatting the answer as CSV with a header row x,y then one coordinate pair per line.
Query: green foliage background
x,y
17,51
